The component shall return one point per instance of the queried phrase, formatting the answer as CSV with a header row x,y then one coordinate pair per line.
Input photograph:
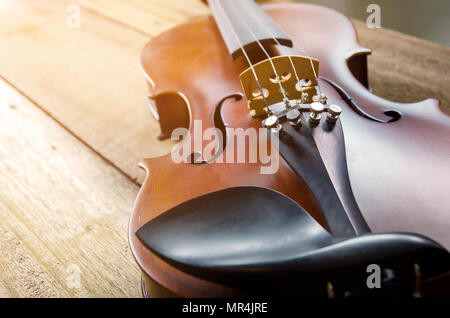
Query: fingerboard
x,y
242,23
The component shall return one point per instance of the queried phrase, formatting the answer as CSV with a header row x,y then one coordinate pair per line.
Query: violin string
x,y
282,91
312,65
219,6
301,49
278,43
311,61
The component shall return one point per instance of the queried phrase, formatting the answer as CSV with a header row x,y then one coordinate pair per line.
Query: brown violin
x,y
347,179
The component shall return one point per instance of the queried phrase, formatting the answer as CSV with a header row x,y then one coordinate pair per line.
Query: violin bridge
x,y
296,74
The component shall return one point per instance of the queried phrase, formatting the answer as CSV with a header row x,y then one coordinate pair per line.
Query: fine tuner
x,y
293,115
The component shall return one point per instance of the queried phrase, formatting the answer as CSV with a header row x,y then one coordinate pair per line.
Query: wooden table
x,y
74,124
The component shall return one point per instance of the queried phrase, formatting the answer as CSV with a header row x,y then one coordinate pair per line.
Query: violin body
x,y
396,154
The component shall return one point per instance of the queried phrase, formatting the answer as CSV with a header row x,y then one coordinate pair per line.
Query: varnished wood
x,y
375,167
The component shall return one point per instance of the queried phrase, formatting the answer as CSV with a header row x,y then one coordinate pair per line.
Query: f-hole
x,y
220,124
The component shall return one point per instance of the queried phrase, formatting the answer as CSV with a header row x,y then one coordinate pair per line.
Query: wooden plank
x,y
87,78
149,17
62,208
404,68
4,292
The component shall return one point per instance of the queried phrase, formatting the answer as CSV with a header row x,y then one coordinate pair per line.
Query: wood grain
x,y
406,69
147,17
59,209
87,78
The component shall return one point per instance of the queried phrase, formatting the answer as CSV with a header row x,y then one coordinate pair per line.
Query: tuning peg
x,y
334,111
316,109
294,118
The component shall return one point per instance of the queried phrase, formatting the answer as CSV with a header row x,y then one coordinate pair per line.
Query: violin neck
x,y
242,24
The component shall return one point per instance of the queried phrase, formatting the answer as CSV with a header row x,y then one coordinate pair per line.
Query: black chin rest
x,y
255,238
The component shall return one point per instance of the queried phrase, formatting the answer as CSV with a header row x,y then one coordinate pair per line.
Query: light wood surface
x,y
74,124
62,207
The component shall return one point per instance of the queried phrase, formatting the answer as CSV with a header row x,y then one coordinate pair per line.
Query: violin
x,y
355,180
